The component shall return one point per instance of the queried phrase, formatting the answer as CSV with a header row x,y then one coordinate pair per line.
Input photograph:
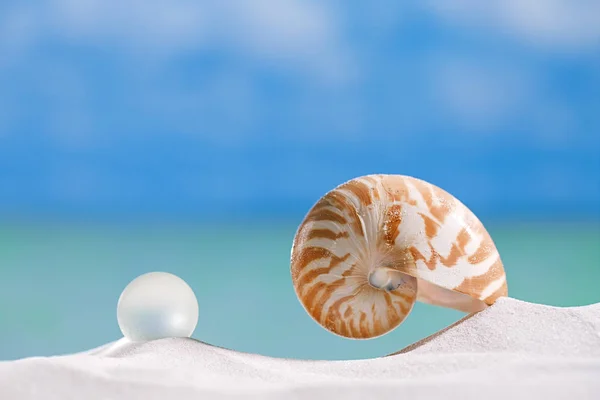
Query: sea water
x,y
60,283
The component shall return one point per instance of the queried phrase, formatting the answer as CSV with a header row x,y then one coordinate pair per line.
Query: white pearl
x,y
157,305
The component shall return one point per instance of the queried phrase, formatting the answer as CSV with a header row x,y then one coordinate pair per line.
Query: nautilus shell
x,y
373,246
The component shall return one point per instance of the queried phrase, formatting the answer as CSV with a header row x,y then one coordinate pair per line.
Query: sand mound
x,y
513,326
511,349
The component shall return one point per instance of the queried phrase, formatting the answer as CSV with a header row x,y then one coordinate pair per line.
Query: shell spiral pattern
x,y
373,246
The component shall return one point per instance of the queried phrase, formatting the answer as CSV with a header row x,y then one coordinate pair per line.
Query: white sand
x,y
514,350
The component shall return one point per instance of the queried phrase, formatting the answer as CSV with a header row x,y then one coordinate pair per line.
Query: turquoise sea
x,y
60,283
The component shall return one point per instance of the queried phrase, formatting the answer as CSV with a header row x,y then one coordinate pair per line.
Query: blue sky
x,y
185,109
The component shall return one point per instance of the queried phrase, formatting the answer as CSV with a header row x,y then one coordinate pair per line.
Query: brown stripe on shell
x,y
332,287
456,252
403,296
318,307
502,291
306,256
484,251
431,263
375,194
317,312
392,313
475,285
403,308
373,182
311,296
339,200
397,190
364,329
393,218
312,274
360,190
431,226
333,318
377,324
463,239
325,214
326,234
428,192
348,312
372,179
354,329
405,302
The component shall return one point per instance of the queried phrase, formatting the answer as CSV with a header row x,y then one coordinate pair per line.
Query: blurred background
x,y
192,137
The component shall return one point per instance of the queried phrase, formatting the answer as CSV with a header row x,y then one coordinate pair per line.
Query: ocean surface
x,y
60,283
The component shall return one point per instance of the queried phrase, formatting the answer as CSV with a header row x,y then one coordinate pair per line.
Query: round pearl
x,y
157,305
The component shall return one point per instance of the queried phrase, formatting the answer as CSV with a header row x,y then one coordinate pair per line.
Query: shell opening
x,y
388,279
439,296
